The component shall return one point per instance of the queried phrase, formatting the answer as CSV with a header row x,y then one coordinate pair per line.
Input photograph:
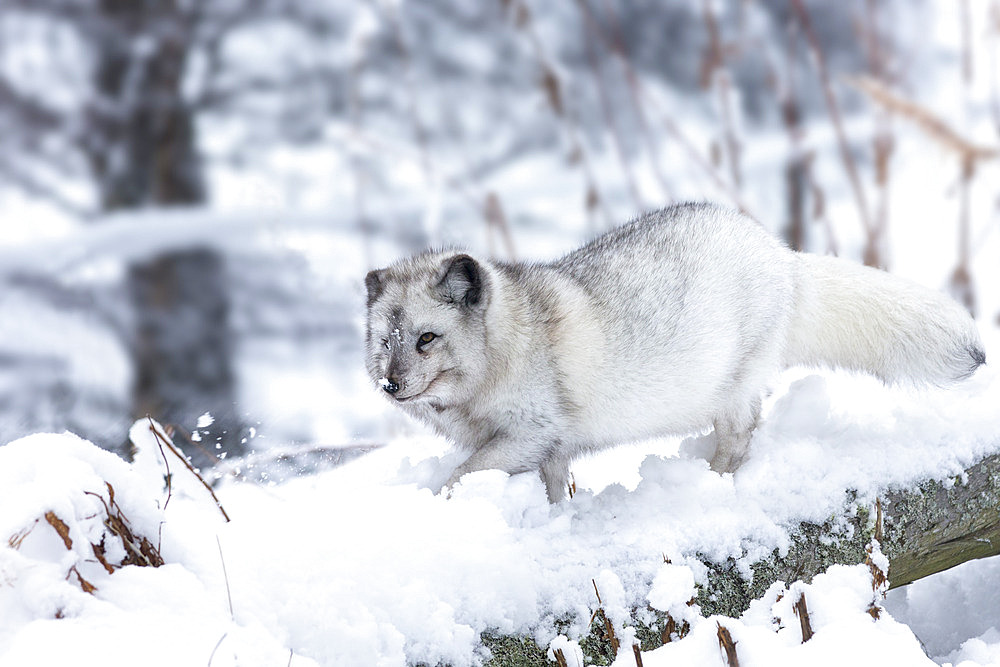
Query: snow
x,y
368,564
956,613
769,634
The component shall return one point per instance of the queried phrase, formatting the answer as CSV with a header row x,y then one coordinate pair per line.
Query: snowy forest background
x,y
191,192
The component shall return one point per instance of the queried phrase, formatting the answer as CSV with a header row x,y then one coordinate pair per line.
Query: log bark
x,y
923,530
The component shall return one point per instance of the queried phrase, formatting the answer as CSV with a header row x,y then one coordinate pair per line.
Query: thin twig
x,y
883,142
166,463
225,576
728,645
933,127
834,111
174,428
878,520
497,220
638,92
617,45
803,613
715,74
552,86
166,441
607,111
217,645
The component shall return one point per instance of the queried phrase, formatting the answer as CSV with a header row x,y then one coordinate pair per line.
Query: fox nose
x,y
390,386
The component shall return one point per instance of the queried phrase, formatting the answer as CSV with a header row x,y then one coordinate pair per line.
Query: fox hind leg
x,y
555,474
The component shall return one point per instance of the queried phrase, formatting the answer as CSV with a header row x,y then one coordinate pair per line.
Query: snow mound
x,y
74,520
770,633
368,564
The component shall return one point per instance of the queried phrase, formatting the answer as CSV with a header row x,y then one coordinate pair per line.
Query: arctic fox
x,y
673,322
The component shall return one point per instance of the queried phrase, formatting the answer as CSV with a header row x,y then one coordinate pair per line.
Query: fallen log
x,y
923,530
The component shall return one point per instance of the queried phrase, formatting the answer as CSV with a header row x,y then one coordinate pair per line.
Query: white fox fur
x,y
671,323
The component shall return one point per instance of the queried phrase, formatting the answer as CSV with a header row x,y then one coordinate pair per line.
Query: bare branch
x,y
933,127
833,109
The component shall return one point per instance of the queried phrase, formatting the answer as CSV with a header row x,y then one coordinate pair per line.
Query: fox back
x,y
666,325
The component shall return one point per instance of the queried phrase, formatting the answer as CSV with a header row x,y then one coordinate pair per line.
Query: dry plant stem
x,y
560,658
60,527
84,584
138,551
715,74
734,147
668,630
617,45
798,164
698,159
609,116
609,628
727,644
924,119
638,655
803,613
882,143
878,519
390,150
834,111
166,463
217,645
225,576
164,440
672,129
497,220
552,87
17,539
969,155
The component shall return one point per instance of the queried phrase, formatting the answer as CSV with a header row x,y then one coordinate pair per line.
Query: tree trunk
x,y
925,529
143,153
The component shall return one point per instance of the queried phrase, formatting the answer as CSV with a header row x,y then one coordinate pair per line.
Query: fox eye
x,y
385,343
425,339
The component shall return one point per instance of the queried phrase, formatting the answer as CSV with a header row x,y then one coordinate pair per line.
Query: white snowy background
x,y
364,563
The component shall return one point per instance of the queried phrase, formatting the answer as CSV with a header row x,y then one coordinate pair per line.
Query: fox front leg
x,y
733,435
494,456
554,471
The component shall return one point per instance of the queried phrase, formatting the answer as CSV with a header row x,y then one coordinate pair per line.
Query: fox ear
x,y
461,281
373,281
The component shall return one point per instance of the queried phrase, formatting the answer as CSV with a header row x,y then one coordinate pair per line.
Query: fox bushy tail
x,y
859,318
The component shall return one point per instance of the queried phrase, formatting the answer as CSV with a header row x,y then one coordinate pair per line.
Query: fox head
x,y
426,331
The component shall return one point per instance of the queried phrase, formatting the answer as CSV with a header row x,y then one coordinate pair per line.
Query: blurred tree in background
x,y
226,169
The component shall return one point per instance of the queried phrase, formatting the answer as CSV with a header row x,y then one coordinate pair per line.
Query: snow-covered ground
x,y
368,565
